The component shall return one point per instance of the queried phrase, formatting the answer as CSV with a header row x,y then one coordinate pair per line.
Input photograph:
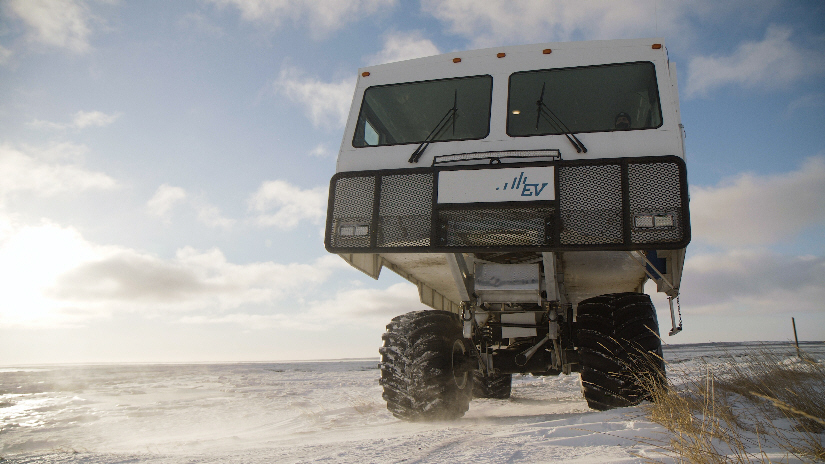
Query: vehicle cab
x,y
559,147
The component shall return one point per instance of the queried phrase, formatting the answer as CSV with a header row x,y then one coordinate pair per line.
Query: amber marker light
x,y
547,51
656,46
501,55
516,112
365,73
456,60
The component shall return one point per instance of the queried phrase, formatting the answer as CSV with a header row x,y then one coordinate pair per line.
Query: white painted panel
x,y
496,185
507,277
518,318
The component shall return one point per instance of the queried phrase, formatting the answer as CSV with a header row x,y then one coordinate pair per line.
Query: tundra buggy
x,y
529,192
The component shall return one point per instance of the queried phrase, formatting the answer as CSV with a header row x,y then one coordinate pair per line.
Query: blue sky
x,y
165,167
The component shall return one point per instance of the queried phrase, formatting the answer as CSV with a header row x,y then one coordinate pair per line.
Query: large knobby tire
x,y
492,386
426,367
619,350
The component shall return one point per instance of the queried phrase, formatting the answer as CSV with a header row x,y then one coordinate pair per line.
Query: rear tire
x,y
426,367
493,386
619,350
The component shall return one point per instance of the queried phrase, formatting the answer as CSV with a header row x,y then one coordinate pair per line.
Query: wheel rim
x,y
460,373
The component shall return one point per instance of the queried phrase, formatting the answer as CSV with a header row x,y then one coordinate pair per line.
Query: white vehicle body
x,y
666,140
583,273
529,192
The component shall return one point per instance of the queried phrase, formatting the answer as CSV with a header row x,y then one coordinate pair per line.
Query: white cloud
x,y
811,100
212,217
322,17
325,103
320,151
280,204
494,23
57,152
81,120
51,276
57,23
84,119
193,279
403,46
260,321
372,306
165,198
23,172
361,307
504,22
48,124
756,281
200,23
5,54
759,210
776,61
752,210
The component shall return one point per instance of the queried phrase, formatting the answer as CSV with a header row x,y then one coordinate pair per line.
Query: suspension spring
x,y
487,334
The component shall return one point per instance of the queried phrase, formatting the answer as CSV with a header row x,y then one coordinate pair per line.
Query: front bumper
x,y
606,204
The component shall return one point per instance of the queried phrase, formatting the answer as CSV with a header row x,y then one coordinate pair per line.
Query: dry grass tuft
x,y
734,412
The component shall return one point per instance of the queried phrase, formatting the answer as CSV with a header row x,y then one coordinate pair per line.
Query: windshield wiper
x,y
557,124
451,115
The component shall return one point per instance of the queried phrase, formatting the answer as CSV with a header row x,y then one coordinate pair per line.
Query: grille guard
x,y
593,209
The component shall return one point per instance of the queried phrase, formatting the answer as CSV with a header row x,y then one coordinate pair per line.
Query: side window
x,y
370,134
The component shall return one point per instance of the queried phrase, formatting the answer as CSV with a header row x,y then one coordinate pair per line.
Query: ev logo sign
x,y
496,185
528,190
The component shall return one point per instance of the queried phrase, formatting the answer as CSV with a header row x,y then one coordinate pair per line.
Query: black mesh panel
x,y
590,200
516,226
405,210
352,206
655,189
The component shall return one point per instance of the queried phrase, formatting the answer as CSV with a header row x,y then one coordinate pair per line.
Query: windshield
x,y
587,99
407,113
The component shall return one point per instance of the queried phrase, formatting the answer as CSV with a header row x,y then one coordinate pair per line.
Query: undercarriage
x,y
433,362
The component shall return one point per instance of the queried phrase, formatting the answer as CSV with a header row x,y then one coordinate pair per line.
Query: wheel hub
x,y
461,363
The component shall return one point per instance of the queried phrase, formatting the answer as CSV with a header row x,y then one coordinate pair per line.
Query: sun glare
x,y
31,259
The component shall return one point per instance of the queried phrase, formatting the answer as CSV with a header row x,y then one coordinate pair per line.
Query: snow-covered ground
x,y
325,411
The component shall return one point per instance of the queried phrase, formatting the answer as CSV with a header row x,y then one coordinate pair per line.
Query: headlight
x,y
643,221
663,221
653,221
353,230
